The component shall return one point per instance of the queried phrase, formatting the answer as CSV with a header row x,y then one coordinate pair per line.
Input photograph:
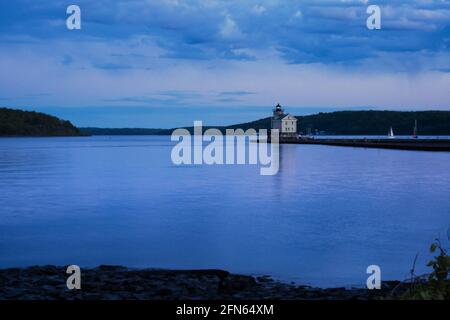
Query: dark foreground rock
x,y
115,282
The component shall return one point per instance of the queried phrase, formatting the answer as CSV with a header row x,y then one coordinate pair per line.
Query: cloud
x,y
112,66
225,53
229,29
309,30
236,93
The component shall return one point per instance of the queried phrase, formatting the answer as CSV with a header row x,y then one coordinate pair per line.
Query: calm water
x,y
327,215
383,137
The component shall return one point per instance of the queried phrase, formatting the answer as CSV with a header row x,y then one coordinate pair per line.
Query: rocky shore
x,y
117,283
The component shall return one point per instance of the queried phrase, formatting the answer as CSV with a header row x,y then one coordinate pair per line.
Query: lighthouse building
x,y
285,123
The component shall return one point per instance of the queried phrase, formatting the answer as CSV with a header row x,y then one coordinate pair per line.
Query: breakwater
x,y
399,144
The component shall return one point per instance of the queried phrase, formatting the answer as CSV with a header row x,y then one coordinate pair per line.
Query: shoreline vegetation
x,y
21,123
15,122
345,123
18,123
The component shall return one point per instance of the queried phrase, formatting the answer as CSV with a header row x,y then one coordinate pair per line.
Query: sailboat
x,y
391,134
415,131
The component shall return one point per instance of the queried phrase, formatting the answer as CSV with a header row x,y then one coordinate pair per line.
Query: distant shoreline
x,y
14,122
338,123
18,123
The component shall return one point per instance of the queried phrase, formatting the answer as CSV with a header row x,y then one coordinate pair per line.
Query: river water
x,y
328,214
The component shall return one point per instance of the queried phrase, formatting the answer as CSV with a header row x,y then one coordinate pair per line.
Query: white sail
x,y
391,134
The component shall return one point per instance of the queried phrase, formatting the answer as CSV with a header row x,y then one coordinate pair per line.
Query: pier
x,y
399,144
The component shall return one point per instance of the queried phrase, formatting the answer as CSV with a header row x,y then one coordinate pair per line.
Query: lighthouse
x,y
285,123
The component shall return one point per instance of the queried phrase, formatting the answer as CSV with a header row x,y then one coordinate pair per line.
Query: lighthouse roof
x,y
289,117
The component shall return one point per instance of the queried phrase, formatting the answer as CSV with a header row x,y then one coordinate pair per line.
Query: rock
x,y
264,279
111,268
164,292
117,282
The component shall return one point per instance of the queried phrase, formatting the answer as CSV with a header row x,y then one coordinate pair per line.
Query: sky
x,y
166,63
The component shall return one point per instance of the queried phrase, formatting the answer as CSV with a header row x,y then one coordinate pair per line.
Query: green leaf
x,y
424,295
433,247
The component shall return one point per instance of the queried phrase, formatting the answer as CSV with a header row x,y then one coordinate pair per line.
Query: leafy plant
x,y
439,278
435,285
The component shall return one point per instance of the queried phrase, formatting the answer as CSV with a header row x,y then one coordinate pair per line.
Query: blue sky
x,y
165,63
